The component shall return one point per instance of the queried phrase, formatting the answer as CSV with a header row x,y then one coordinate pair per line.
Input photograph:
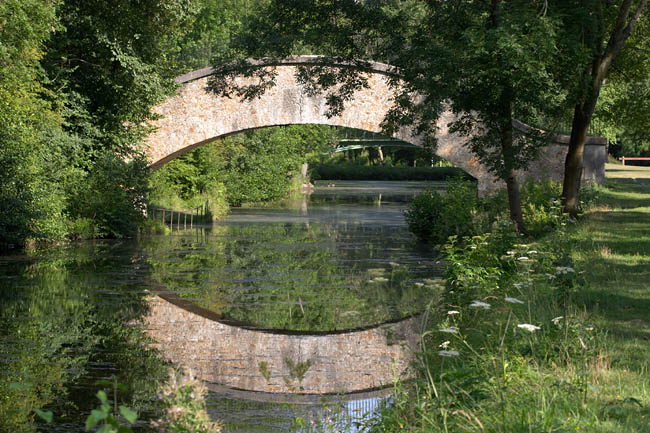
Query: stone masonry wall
x,y
195,116
259,360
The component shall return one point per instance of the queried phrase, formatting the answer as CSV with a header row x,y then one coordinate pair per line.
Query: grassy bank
x,y
551,337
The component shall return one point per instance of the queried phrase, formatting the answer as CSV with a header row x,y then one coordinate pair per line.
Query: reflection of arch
x,y
195,116
280,362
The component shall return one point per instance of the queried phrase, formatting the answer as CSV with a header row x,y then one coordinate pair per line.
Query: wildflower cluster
x,y
183,396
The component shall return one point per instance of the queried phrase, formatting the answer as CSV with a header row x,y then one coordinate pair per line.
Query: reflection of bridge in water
x,y
278,412
262,360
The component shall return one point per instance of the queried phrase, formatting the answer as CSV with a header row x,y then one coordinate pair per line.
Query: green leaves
x,y
45,415
433,217
110,422
130,415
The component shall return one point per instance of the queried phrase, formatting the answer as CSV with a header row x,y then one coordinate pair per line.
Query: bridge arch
x,y
196,116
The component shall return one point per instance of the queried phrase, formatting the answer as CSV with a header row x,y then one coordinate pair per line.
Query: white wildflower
x,y
449,330
452,312
563,270
479,304
510,253
473,247
419,284
589,328
531,252
523,258
528,327
393,263
448,353
513,300
444,344
557,319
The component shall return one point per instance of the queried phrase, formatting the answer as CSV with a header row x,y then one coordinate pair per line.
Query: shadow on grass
x,y
615,248
626,193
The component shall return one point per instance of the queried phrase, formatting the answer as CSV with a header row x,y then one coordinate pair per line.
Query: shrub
x,y
434,217
82,228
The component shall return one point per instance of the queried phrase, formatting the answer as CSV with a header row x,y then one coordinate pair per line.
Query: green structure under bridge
x,y
362,143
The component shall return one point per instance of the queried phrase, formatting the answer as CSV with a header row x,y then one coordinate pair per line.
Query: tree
x,y
30,199
216,24
490,63
602,29
108,65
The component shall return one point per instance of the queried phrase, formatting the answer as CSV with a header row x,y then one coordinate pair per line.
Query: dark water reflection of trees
x,y
66,319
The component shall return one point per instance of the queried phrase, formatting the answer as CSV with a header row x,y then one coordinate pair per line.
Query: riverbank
x,y
560,346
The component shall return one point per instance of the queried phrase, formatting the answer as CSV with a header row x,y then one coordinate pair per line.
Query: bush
x,y
112,195
154,227
82,228
434,217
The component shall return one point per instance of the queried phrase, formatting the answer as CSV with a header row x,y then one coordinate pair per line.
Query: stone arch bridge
x,y
196,116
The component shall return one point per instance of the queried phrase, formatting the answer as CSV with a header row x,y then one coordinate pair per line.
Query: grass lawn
x,y
614,249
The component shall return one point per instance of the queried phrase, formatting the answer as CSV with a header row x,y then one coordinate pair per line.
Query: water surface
x,y
339,259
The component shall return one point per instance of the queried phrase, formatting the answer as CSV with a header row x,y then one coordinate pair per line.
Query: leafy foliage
x,y
31,205
255,166
113,195
107,65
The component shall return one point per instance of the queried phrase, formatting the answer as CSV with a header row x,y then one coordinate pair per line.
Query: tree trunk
x,y
584,109
514,202
574,159
512,184
505,137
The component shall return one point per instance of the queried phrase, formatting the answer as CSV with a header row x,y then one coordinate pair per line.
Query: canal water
x,y
336,260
